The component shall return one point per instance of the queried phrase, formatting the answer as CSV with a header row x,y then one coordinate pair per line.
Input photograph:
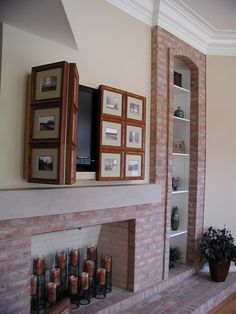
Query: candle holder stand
x,y
101,291
84,297
74,301
63,287
38,300
62,263
92,286
106,263
109,281
73,270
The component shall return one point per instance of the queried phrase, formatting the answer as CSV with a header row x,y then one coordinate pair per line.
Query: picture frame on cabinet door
x,y
135,107
46,123
112,101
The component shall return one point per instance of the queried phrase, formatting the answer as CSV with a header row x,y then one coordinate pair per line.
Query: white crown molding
x,y
222,43
180,20
141,10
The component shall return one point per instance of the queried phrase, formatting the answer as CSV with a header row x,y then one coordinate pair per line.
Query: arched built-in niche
x,y
183,154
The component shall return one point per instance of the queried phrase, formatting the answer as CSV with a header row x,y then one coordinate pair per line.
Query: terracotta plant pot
x,y
219,270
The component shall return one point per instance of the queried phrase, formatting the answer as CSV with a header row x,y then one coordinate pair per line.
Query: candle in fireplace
x,y
61,259
101,276
92,253
52,292
74,257
89,266
39,266
107,263
84,281
73,285
33,285
56,276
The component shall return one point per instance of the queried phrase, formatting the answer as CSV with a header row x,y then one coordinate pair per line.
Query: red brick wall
x,y
165,47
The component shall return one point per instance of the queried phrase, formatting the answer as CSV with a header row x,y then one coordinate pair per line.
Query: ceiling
x,y
45,18
220,14
208,25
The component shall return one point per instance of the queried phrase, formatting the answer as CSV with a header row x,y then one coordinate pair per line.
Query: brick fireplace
x,y
144,223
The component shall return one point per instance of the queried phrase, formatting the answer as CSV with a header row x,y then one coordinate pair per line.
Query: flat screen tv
x,y
87,139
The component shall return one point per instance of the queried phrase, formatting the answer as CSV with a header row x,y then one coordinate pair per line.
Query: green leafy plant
x,y
175,256
218,244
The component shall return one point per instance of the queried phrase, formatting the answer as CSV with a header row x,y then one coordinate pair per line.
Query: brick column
x,y
165,47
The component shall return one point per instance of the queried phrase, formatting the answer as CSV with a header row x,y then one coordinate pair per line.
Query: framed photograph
x,y
111,133
63,307
44,163
134,137
48,81
110,166
48,84
134,166
46,123
179,146
135,109
111,101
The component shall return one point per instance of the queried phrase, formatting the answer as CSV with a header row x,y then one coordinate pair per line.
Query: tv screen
x,y
86,151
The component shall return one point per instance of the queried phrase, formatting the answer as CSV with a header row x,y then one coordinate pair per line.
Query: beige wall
x,y
220,205
0,54
114,49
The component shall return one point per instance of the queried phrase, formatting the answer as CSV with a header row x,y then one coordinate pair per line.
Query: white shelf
x,y
181,154
179,192
180,169
177,233
180,119
180,90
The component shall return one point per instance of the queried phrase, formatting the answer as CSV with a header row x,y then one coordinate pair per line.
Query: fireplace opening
x,y
111,239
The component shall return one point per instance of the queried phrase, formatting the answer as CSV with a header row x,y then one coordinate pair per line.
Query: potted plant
x,y
175,256
217,247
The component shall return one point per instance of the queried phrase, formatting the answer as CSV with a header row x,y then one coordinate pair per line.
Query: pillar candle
x,y
56,276
73,285
74,257
61,257
92,253
107,263
52,292
39,266
101,276
89,265
84,281
33,285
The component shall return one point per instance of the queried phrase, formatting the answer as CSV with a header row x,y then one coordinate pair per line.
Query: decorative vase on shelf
x,y
175,183
175,218
179,113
